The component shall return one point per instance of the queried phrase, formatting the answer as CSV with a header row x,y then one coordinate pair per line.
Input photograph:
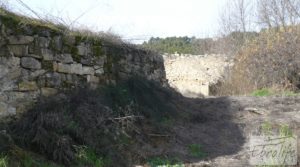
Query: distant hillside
x,y
183,45
198,46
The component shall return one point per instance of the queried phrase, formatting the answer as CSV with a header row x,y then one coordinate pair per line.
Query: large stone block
x,y
99,72
20,40
92,79
31,63
88,71
18,50
43,42
64,58
84,50
48,91
64,68
53,80
47,54
28,86
57,43
76,68
6,110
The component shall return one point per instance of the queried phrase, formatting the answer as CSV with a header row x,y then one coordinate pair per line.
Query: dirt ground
x,y
222,126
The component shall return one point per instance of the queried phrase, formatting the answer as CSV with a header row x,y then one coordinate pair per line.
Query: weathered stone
x,y
43,42
31,63
55,66
87,61
47,54
100,61
20,40
99,72
48,91
64,68
88,71
6,110
28,86
57,43
35,56
35,74
18,50
64,58
3,97
92,79
76,68
4,51
53,80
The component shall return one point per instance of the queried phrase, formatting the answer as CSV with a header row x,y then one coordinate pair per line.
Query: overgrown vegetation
x,y
164,162
271,59
96,127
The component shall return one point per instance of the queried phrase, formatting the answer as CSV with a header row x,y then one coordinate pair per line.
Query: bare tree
x,y
236,16
278,13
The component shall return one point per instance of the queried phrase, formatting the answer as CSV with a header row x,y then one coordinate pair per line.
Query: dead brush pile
x,y
271,60
108,120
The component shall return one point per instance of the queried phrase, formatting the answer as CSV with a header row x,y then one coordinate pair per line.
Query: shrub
x,y
101,119
270,60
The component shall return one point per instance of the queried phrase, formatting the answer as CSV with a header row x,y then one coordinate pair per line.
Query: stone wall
x,y
192,75
36,61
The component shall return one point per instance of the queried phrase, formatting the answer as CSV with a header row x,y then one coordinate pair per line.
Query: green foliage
x,y
262,92
266,128
196,151
163,162
3,161
87,157
285,131
183,45
269,92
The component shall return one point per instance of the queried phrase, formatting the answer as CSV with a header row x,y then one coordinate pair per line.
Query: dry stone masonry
x,y
39,61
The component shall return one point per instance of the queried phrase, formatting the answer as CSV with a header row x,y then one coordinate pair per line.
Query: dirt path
x,y
222,126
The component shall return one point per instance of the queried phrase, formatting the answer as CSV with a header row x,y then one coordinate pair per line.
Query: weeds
x,y
87,157
163,162
3,161
262,92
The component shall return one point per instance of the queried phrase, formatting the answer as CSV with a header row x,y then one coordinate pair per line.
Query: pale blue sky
x,y
139,19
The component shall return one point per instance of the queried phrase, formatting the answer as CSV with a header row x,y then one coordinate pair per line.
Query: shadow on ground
x,y
207,123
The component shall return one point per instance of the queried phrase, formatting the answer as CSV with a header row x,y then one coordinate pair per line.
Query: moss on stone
x,y
47,65
97,51
74,54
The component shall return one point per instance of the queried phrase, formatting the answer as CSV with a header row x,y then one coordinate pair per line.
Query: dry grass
x,y
269,61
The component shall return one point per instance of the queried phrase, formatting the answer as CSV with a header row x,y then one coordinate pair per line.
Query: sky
x,y
135,20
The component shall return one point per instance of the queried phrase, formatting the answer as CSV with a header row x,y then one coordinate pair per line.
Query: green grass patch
x,y
196,151
165,162
290,93
262,92
269,92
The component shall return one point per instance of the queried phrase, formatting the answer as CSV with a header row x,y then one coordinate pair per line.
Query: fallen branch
x,y
128,117
158,135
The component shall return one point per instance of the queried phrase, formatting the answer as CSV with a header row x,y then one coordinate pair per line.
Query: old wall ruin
x,y
36,61
193,75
